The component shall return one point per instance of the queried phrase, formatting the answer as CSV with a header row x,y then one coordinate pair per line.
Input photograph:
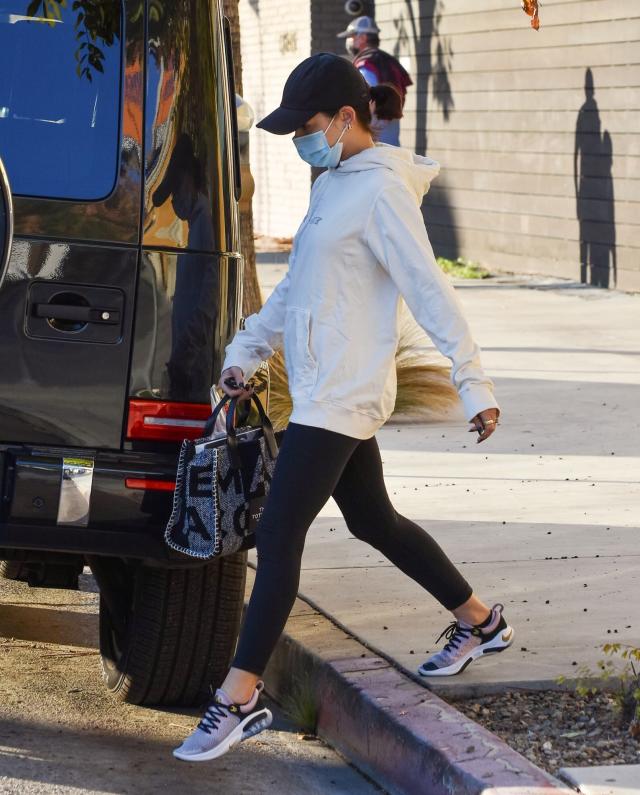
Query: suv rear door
x,y
71,101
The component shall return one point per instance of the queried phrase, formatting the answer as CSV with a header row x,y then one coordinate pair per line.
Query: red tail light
x,y
166,422
147,484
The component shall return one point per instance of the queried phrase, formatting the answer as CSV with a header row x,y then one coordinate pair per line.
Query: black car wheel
x,y
12,570
42,574
172,632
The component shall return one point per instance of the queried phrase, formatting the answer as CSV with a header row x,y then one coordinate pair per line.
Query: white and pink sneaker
x,y
467,642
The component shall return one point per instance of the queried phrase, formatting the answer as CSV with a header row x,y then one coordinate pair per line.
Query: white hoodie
x,y
361,246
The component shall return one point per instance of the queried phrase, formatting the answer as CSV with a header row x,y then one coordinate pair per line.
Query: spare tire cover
x,y
6,222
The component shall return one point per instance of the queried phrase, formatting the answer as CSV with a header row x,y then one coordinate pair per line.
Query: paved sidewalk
x,y
608,780
405,737
543,517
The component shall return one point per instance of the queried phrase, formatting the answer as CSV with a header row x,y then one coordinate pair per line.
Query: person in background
x,y
386,111
362,40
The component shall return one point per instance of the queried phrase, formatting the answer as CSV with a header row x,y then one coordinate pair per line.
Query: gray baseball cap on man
x,y
358,26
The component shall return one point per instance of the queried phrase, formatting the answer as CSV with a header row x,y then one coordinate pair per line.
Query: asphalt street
x,y
61,732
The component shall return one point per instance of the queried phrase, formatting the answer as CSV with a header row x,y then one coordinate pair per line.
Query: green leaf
x,y
54,9
462,269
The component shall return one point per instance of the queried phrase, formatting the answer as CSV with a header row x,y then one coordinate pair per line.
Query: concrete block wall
x,y
505,110
328,18
508,111
275,37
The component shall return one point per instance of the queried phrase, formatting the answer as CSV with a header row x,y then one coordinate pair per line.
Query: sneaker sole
x,y
250,726
497,644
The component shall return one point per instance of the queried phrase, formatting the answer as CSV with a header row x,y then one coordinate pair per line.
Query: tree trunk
x,y
252,297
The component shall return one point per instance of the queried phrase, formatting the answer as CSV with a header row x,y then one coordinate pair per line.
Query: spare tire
x,y
175,632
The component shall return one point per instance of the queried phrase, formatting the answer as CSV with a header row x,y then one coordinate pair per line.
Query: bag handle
x,y
267,430
210,424
232,440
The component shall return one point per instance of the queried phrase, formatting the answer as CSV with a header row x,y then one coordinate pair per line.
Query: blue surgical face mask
x,y
315,150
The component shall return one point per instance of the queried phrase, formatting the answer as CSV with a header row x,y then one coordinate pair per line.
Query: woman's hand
x,y
232,384
485,423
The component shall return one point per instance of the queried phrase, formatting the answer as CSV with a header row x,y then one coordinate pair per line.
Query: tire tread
x,y
181,635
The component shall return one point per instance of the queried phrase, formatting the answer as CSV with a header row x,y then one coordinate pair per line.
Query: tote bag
x,y
222,485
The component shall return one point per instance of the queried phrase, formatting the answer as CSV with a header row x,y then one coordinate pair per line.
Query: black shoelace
x,y
213,715
454,634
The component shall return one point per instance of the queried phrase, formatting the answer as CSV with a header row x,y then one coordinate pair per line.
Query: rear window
x,y
60,85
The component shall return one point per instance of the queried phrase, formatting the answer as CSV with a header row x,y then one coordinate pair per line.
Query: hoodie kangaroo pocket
x,y
302,368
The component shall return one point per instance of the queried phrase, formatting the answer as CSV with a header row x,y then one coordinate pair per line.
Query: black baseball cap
x,y
324,81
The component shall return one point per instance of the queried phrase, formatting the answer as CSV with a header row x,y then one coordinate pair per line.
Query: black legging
x,y
314,464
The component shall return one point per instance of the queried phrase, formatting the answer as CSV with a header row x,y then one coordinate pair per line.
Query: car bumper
x,y
87,502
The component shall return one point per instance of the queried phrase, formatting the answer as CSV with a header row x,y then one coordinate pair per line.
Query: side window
x,y
60,96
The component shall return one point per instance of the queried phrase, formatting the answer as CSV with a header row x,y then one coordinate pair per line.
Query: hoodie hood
x,y
416,171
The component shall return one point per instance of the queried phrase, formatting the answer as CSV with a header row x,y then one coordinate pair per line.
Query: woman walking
x,y
361,247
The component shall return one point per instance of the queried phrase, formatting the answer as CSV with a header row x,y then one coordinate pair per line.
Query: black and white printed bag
x,y
222,485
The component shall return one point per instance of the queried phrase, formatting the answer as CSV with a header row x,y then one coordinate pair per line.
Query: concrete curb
x,y
395,730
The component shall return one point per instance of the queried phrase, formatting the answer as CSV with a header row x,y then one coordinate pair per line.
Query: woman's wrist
x,y
230,369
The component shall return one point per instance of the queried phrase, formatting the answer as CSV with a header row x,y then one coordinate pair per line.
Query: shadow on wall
x,y
417,30
593,180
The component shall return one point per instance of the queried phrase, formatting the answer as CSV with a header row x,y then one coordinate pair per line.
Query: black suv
x,y
120,285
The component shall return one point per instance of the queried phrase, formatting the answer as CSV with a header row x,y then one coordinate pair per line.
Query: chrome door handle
x,y
81,314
